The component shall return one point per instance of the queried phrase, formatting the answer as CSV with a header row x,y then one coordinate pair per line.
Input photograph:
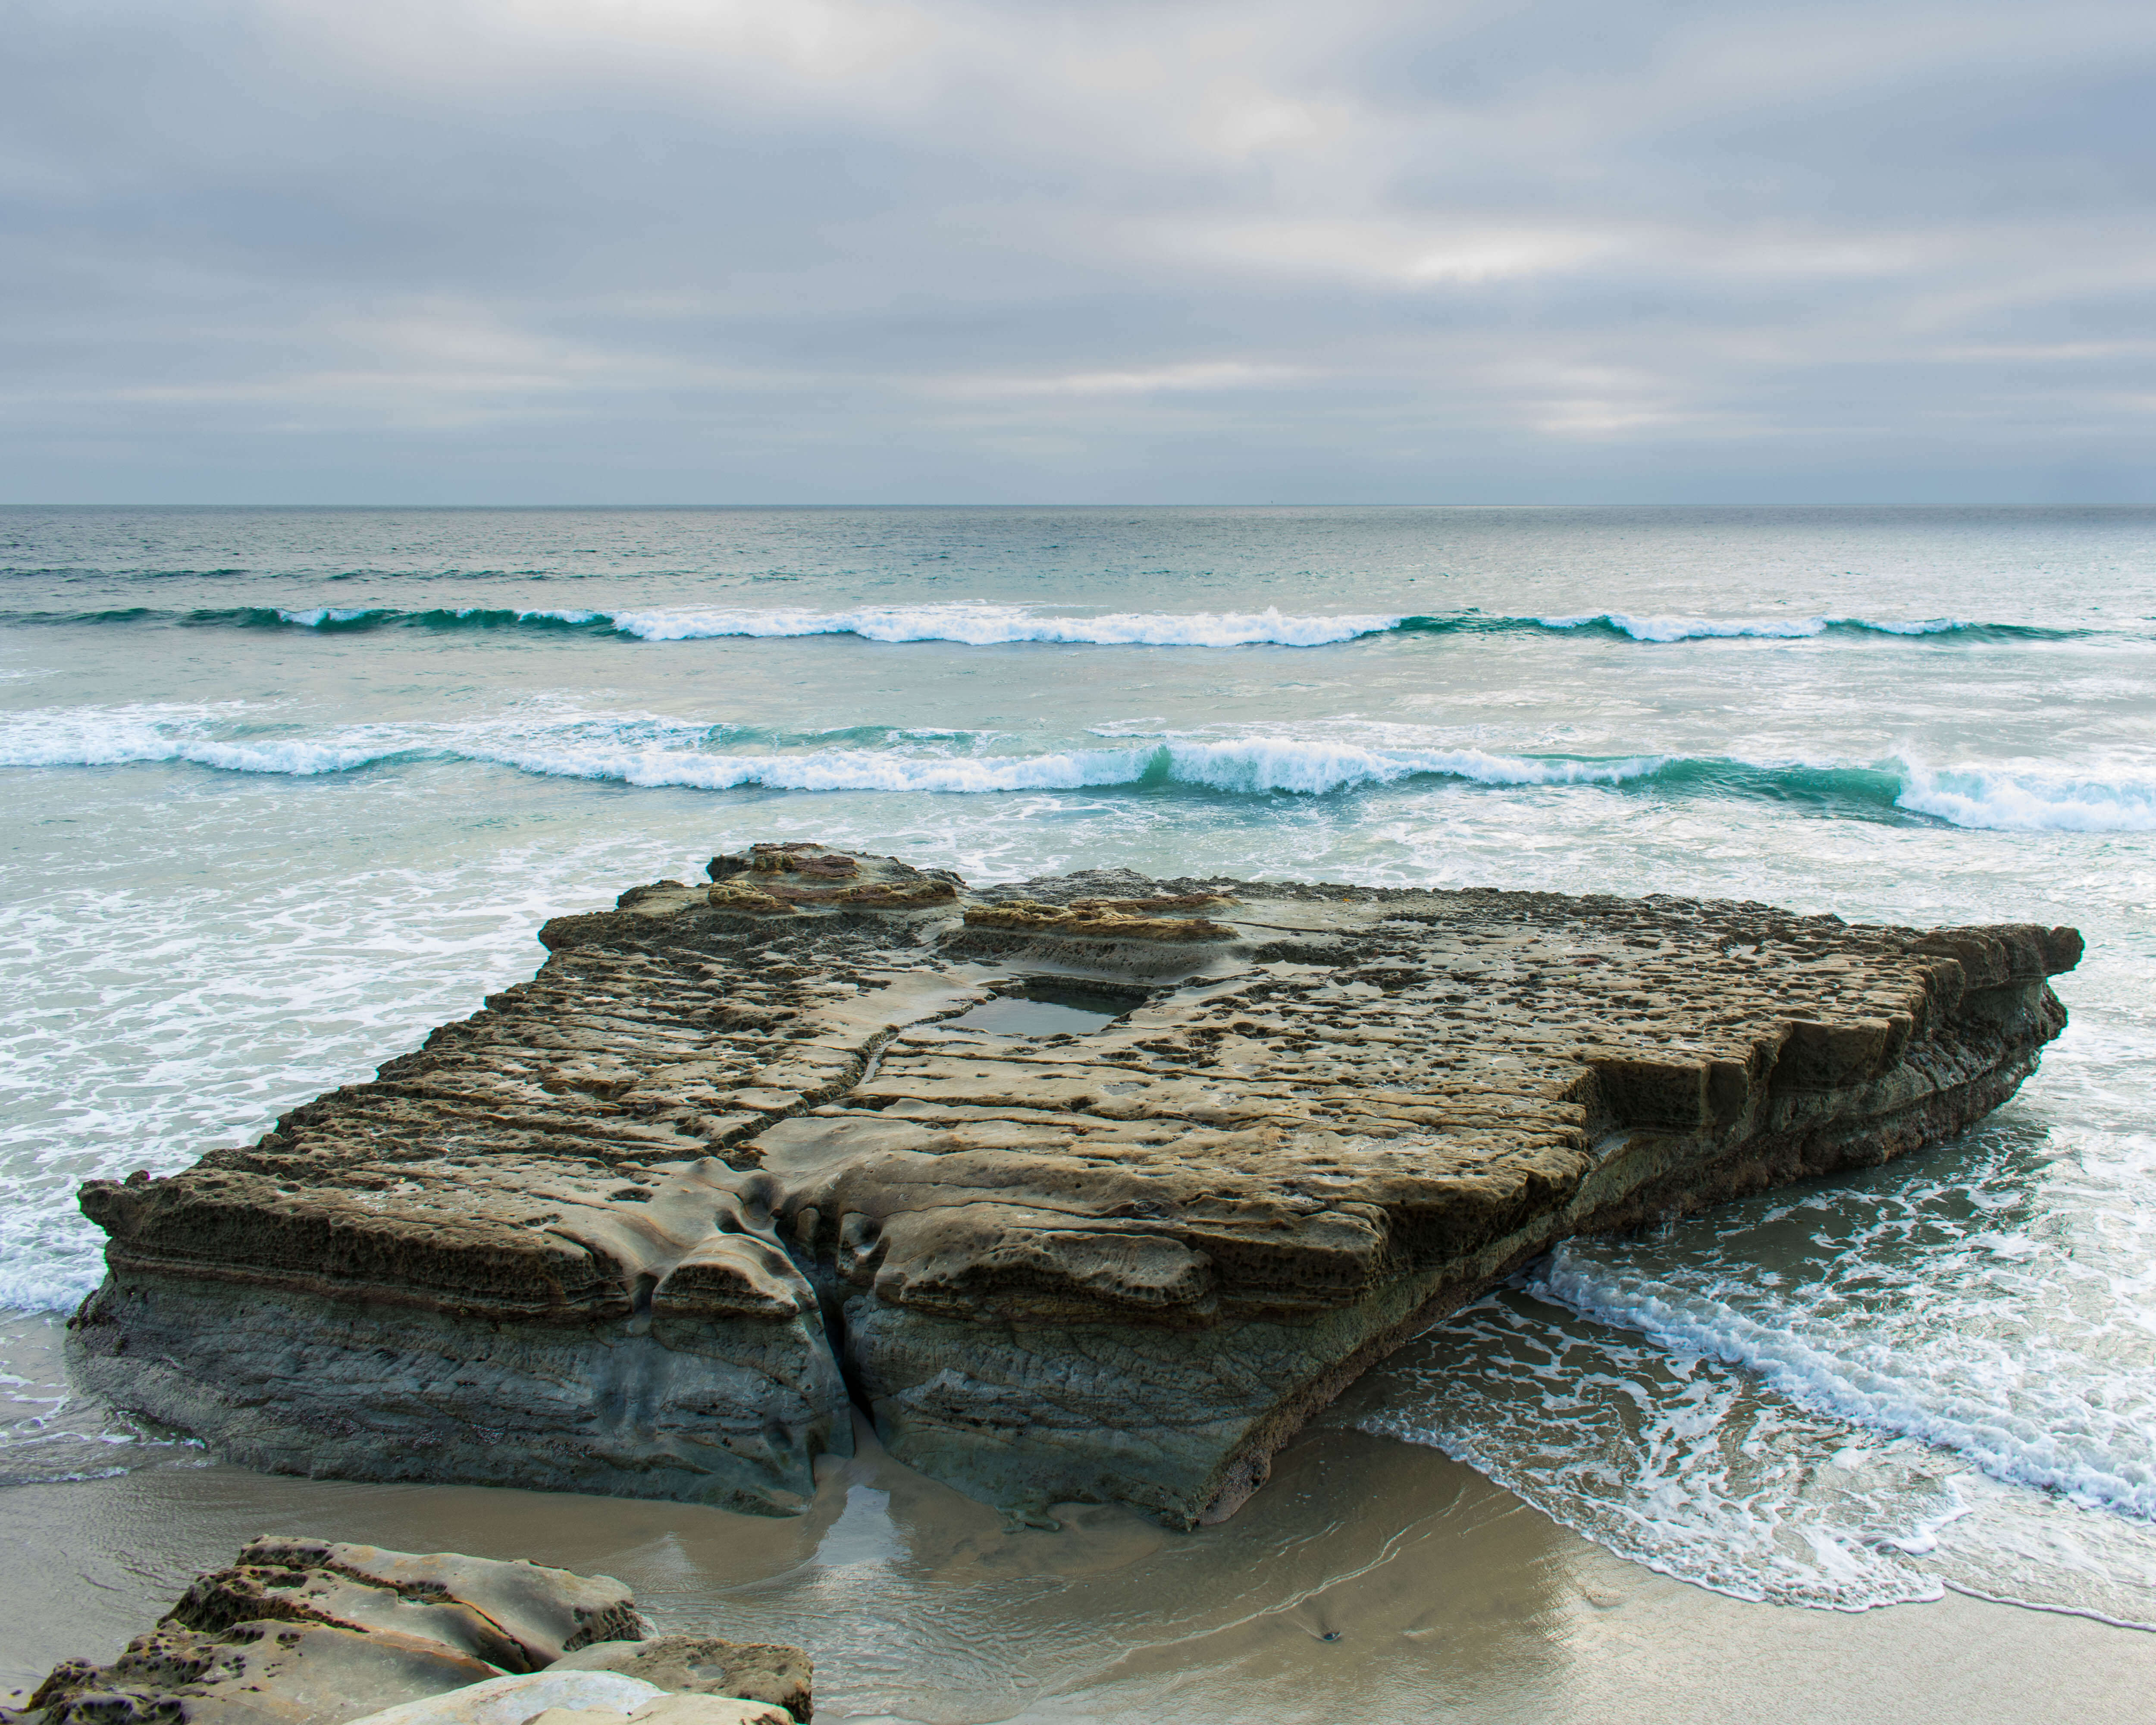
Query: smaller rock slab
x,y
578,1697
318,1632
678,1710
513,1701
704,1664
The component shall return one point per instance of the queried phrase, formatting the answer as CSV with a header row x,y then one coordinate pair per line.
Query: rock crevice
x,y
643,1224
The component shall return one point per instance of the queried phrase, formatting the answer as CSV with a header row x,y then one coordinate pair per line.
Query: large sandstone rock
x,y
310,1632
644,1223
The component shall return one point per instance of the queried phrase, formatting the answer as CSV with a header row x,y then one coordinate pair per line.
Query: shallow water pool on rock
x,y
1045,1009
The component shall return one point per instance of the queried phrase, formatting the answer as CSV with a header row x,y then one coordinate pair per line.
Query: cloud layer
x,y
912,250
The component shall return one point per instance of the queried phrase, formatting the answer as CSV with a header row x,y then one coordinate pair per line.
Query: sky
x,y
914,251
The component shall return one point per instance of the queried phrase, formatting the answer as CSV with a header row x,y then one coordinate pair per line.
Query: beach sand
x,y
1371,1580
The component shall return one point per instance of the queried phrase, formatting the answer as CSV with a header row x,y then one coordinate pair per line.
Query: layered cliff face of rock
x,y
1091,1189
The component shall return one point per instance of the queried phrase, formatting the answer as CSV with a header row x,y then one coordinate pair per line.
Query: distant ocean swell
x,y
1000,625
666,753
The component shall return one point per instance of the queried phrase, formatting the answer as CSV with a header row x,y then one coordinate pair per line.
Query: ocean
x,y
283,789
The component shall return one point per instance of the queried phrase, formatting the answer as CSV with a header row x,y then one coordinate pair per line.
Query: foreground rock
x,y
311,1629
558,1697
310,1632
644,1224
704,1664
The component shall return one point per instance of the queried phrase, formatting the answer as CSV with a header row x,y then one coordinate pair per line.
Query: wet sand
x,y
1371,1580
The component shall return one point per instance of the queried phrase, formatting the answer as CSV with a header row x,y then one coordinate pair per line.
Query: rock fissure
x,y
651,1223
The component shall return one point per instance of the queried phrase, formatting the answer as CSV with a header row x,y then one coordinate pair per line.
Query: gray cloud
x,y
567,250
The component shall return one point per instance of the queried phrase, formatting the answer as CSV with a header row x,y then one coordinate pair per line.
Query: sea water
x,y
283,789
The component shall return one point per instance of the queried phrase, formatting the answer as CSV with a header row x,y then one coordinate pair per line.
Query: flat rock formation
x,y
1091,1189
314,1632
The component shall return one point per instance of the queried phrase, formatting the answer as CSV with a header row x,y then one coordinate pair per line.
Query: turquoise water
x,y
285,788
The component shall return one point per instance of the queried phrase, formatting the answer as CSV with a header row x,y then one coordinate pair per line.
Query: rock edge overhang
x,y
735,1157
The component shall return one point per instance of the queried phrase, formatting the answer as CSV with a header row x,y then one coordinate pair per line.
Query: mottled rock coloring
x,y
314,1632
742,1154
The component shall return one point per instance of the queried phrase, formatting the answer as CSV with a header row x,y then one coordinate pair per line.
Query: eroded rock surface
x,y
704,1664
578,1697
740,1151
313,1632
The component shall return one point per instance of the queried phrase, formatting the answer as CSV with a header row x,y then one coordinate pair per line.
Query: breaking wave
x,y
2096,1457
652,752
1702,629
1845,1394
981,625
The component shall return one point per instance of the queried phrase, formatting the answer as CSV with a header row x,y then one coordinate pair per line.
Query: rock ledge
x,y
834,1129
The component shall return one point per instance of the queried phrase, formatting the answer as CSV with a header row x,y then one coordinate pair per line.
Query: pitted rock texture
x,y
314,1632
704,1664
740,1151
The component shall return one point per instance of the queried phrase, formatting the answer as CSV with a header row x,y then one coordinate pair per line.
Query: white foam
x,y
639,749
1677,1464
1688,1463
993,625
316,615
2029,797
1251,765
822,770
1284,763
145,1022
1941,1370
2102,1457
94,736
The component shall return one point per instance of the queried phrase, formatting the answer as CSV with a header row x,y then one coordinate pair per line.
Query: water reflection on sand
x,y
1372,1580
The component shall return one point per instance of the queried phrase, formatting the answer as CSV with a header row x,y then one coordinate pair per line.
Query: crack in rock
x,y
645,1223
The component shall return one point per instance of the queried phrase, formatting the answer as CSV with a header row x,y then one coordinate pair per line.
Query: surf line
x,y
987,625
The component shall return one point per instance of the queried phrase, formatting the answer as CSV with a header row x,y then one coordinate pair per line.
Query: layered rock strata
x,y
742,1153
318,1632
313,1632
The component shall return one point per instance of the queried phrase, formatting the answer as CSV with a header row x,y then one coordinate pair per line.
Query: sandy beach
x,y
1372,1580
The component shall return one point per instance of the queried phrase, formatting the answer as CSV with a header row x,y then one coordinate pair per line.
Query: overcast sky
x,y
924,250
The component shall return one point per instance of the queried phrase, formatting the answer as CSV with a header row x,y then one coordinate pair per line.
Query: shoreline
x,y
1380,1580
